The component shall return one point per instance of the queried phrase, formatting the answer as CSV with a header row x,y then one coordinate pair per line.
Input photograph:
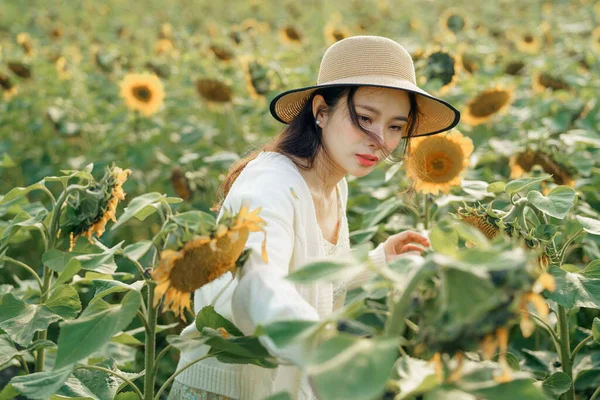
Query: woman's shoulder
x,y
271,168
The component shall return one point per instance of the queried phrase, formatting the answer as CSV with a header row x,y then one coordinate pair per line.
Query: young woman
x,y
364,105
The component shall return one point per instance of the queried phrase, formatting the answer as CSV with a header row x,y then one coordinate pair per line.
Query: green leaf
x,y
107,286
94,383
556,204
69,263
21,320
137,250
513,361
496,187
556,384
443,238
545,232
574,289
284,332
126,396
592,270
127,339
98,323
186,343
8,392
517,185
382,211
590,225
209,318
415,377
17,192
470,233
140,207
280,396
85,174
349,367
238,350
325,270
64,301
23,220
41,385
596,329
194,220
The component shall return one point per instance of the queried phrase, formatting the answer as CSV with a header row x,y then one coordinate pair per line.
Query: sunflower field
x,y
120,119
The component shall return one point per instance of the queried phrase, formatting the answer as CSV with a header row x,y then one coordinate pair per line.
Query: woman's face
x,y
382,111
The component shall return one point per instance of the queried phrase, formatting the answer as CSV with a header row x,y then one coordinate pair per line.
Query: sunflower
x,y
468,61
61,68
452,22
514,67
163,46
524,161
19,69
436,163
529,43
596,38
180,184
290,34
334,31
24,40
442,66
88,214
56,33
142,92
258,79
492,101
203,259
221,53
214,90
542,81
8,89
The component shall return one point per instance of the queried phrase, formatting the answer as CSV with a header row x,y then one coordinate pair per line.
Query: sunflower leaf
x,y
556,204
209,318
517,185
140,207
42,385
590,225
17,192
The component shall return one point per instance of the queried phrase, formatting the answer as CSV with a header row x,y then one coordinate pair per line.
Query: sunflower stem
x,y
23,364
565,350
27,267
47,272
161,355
136,122
426,205
150,343
579,347
172,377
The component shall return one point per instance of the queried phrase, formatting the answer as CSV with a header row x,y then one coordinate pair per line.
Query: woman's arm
x,y
263,295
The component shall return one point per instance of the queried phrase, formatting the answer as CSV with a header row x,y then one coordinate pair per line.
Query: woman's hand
x,y
404,242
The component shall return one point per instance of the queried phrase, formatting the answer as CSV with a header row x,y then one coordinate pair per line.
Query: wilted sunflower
x,y
24,40
436,163
258,80
87,214
543,80
142,92
8,89
469,62
452,22
221,53
596,39
443,66
214,90
19,69
514,67
529,43
203,259
290,34
524,161
180,183
486,104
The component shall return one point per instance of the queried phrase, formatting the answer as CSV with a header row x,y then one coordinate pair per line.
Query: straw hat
x,y
370,61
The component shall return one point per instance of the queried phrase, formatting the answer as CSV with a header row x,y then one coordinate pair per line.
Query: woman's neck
x,y
322,180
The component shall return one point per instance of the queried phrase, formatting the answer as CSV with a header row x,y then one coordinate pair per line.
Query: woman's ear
x,y
318,105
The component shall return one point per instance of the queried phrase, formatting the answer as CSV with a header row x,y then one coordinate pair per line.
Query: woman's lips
x,y
366,160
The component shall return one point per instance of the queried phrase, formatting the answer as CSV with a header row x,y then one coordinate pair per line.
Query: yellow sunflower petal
x,y
142,92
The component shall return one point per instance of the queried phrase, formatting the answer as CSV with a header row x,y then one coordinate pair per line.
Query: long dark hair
x,y
302,138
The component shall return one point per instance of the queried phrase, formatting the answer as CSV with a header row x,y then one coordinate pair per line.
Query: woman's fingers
x,y
411,247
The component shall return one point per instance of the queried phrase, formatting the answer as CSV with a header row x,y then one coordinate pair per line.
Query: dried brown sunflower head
x,y
203,259
87,213
214,90
487,104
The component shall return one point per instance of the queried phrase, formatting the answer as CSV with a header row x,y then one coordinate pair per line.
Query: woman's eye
x,y
397,128
364,119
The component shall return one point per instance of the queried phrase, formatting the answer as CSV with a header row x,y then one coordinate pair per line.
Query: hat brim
x,y
436,115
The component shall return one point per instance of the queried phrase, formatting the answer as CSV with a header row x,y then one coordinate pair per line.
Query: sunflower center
x,y
439,160
489,103
142,93
528,39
